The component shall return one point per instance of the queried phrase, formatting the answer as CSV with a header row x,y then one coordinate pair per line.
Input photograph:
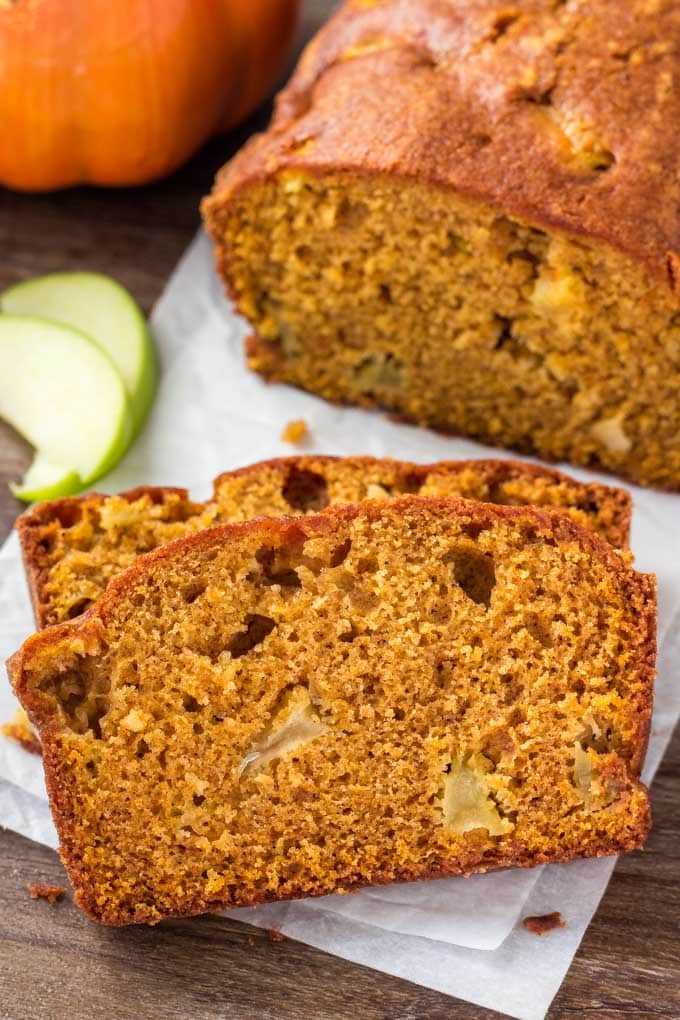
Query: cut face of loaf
x,y
467,213
387,691
72,547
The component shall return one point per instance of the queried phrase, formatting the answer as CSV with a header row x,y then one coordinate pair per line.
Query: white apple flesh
x,y
64,395
102,309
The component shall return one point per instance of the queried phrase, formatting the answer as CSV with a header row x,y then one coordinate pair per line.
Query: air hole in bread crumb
x,y
499,743
473,529
305,490
518,715
497,495
257,629
600,160
596,735
539,630
367,565
78,608
456,244
410,483
349,635
475,573
341,552
502,24
534,536
351,214
505,336
190,704
68,514
83,701
273,570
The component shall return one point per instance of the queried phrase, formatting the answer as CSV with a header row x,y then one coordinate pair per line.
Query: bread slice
x,y
72,547
467,213
386,691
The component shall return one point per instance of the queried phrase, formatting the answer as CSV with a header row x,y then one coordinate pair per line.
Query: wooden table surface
x,y
56,964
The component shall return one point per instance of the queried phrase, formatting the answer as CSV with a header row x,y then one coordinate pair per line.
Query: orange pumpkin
x,y
119,92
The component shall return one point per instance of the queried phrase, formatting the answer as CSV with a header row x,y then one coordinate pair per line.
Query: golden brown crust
x,y
612,506
76,636
555,113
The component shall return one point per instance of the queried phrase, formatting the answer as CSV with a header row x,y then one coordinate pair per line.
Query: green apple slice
x,y
107,313
45,480
64,395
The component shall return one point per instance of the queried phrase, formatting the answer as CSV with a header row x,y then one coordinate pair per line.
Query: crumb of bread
x,y
20,729
295,432
275,936
51,893
544,923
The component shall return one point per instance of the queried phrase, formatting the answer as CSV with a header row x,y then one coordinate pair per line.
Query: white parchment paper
x,y
459,936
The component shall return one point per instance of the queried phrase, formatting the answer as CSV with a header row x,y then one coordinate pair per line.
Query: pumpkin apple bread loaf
x,y
386,691
72,547
469,213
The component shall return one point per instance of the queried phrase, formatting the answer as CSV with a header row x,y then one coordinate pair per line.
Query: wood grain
x,y
55,964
